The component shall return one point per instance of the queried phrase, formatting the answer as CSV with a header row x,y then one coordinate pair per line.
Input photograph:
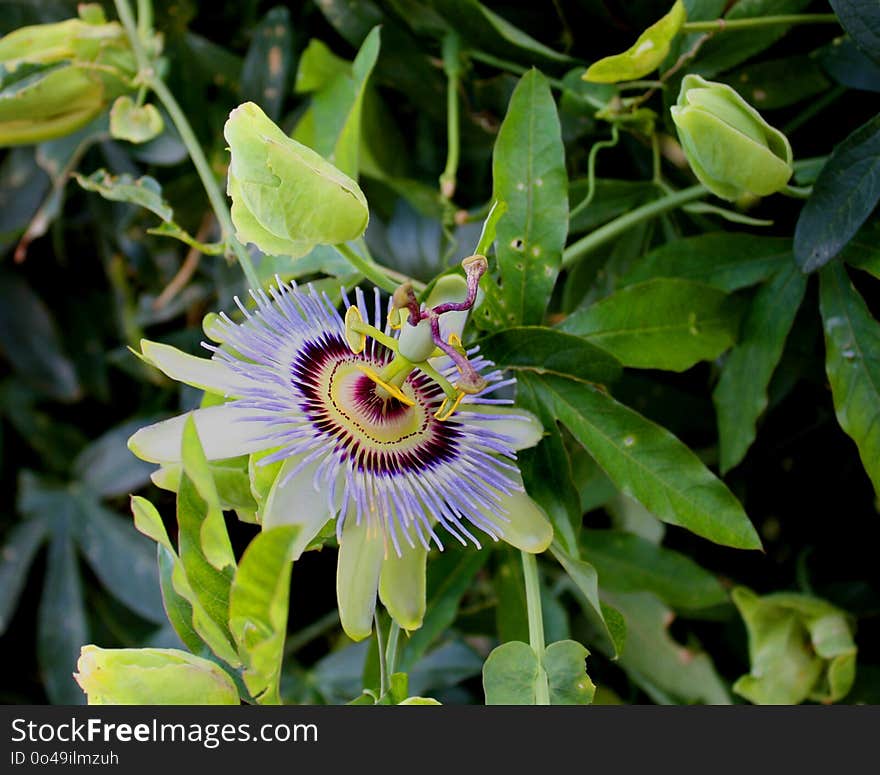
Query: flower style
x,y
365,427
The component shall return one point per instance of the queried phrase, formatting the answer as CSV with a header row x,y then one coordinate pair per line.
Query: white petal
x,y
224,431
205,373
521,427
297,502
361,552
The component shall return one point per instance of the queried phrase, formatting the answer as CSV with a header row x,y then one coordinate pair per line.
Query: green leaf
x,y
178,609
29,340
540,350
135,123
628,563
152,677
645,55
123,560
725,51
144,191
660,324
510,674
171,229
726,261
212,536
852,360
666,670
16,556
779,83
148,521
740,396
332,124
267,62
106,467
863,250
651,465
546,468
861,19
564,662
585,578
610,199
61,618
844,195
258,602
528,169
485,30
799,647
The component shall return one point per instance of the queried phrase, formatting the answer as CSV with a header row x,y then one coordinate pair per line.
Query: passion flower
x,y
391,437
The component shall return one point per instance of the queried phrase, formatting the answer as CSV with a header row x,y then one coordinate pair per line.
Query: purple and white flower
x,y
382,442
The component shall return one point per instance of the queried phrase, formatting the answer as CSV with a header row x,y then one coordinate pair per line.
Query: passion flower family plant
x,y
462,385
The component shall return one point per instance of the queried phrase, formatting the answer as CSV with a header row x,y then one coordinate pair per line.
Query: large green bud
x,y
55,78
732,150
285,197
152,677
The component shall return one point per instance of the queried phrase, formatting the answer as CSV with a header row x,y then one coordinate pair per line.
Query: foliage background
x,y
84,284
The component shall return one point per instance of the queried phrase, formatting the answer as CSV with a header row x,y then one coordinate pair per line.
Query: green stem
x,y
218,203
536,624
729,25
591,169
452,68
145,18
383,671
513,67
368,269
391,648
595,239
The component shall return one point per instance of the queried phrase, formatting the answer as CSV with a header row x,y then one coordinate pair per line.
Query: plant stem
x,y
218,203
729,25
145,18
391,648
367,268
383,670
595,239
536,624
513,67
591,169
452,68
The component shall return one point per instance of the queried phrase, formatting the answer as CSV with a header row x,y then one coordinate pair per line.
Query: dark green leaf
x,y
723,260
668,671
741,393
861,19
28,338
779,83
123,560
843,197
852,360
267,63
847,65
648,463
61,628
660,324
627,563
106,466
16,556
540,350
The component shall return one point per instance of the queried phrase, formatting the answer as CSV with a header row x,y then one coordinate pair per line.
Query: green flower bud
x,y
285,197
152,677
800,648
732,150
55,78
